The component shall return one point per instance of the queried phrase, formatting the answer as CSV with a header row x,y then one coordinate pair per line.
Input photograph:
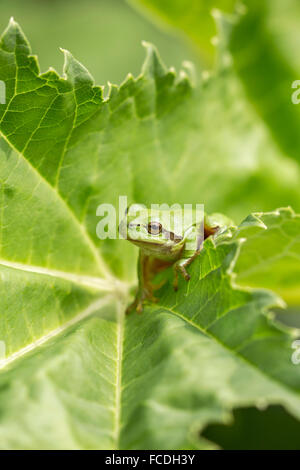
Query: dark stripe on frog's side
x,y
171,235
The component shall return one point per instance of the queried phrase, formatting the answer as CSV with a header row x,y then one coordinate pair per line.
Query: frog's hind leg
x,y
137,304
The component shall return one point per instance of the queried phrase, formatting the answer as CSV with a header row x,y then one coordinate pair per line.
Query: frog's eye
x,y
154,228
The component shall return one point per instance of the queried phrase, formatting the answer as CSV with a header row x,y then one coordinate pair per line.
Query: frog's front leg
x,y
145,288
181,264
180,268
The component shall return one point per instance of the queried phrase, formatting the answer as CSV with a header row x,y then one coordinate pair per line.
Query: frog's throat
x,y
172,251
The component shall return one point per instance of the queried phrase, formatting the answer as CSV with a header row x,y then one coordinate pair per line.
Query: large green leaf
x,y
87,150
77,374
154,380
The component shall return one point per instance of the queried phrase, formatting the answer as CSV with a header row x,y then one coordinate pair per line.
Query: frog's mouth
x,y
163,251
172,236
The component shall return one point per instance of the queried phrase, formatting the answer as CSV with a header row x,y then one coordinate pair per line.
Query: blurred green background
x,y
105,35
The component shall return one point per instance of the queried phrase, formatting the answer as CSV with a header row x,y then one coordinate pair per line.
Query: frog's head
x,y
157,232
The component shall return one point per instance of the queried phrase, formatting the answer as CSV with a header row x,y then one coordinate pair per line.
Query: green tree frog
x,y
172,237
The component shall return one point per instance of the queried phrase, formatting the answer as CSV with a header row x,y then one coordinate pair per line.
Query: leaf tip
x,y
67,56
13,39
73,70
153,64
190,69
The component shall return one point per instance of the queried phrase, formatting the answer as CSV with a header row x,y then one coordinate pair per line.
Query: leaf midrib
x,y
109,285
87,312
119,362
